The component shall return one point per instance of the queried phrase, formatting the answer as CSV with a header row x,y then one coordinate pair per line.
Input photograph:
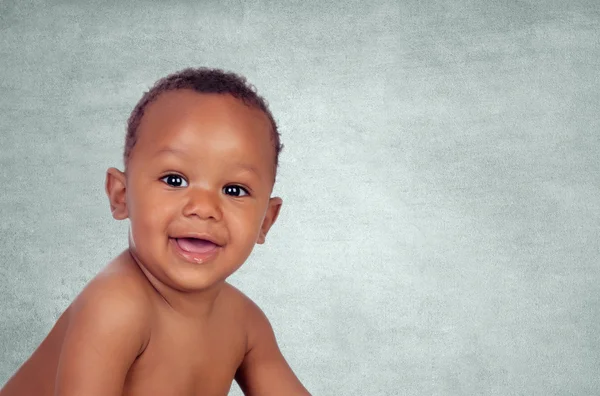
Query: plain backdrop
x,y
440,177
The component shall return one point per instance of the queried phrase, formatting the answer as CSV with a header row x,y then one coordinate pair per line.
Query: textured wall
x,y
441,180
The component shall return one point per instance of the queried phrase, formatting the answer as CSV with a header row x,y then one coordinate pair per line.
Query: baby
x,y
201,157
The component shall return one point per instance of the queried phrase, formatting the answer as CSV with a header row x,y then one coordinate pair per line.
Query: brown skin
x,y
153,322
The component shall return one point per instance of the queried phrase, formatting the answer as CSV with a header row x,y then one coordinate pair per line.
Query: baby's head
x,y
201,81
200,157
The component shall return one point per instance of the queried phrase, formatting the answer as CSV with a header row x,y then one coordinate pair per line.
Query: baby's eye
x,y
175,181
236,191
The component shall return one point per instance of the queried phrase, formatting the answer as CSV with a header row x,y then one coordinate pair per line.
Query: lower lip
x,y
196,258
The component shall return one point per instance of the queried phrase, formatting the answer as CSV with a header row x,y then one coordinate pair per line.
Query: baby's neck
x,y
193,305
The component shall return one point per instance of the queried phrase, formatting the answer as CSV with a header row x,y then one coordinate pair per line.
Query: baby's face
x,y
202,169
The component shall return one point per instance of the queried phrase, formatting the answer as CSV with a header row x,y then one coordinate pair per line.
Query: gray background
x,y
440,231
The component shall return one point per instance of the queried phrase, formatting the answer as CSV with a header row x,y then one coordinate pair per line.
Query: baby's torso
x,y
181,358
187,359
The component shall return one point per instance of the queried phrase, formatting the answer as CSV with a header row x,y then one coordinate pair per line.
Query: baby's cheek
x,y
147,216
140,230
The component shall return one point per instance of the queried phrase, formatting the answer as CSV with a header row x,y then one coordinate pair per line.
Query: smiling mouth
x,y
196,245
195,250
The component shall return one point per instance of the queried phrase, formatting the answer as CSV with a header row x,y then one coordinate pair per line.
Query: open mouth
x,y
196,245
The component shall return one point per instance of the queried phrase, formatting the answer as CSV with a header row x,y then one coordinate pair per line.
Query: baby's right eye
x,y
175,180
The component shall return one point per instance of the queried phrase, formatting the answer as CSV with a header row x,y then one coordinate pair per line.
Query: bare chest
x,y
184,361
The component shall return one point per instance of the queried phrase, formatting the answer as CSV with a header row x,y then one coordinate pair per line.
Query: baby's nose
x,y
203,203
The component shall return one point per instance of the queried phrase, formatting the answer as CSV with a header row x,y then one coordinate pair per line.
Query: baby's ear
x,y
115,190
270,217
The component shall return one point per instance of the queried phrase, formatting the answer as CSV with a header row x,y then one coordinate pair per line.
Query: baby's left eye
x,y
236,191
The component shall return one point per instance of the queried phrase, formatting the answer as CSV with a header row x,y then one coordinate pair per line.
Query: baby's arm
x,y
264,370
108,329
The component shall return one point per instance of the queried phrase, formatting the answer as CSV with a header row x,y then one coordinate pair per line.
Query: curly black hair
x,y
202,80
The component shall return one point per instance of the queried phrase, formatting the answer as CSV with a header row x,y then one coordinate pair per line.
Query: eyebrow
x,y
171,150
181,153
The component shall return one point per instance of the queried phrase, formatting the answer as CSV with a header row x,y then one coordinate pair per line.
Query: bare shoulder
x,y
251,317
94,342
264,370
243,306
118,293
108,328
